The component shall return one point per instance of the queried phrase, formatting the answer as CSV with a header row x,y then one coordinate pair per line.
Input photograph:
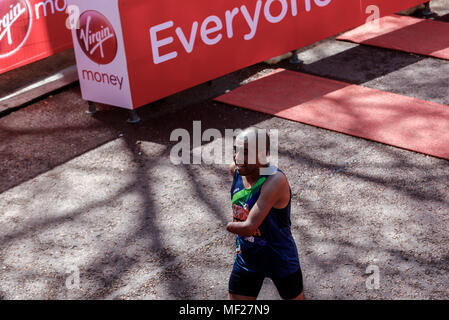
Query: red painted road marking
x,y
425,37
396,120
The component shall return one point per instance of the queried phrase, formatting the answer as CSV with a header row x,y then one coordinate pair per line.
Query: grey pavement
x,y
97,200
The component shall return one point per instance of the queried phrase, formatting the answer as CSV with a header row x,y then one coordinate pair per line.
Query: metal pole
x,y
295,60
133,117
427,13
92,108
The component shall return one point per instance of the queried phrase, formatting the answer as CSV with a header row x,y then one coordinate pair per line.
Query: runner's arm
x,y
270,194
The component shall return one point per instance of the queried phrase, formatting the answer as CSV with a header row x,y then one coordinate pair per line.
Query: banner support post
x,y
427,13
133,117
295,60
92,108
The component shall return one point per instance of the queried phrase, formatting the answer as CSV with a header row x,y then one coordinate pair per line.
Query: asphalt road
x,y
98,200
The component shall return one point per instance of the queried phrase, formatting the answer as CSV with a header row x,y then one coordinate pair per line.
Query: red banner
x,y
31,30
132,52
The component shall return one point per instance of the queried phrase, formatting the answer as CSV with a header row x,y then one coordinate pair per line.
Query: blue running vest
x,y
271,251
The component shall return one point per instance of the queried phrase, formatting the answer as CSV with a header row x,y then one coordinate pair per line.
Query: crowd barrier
x,y
133,52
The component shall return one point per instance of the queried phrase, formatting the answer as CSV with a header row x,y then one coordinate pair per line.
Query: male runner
x,y
261,210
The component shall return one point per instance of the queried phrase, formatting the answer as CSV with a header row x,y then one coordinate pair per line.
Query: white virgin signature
x,y
99,44
7,27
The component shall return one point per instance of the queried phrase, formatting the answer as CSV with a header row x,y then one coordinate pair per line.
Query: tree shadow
x,y
357,65
31,136
159,129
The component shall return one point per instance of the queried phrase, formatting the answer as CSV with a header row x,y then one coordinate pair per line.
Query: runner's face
x,y
246,161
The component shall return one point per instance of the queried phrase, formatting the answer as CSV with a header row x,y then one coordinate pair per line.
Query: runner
x,y
261,200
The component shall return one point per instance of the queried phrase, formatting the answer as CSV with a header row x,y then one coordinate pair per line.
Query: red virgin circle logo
x,y
97,37
15,25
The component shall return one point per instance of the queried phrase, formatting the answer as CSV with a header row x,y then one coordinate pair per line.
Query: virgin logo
x,y
97,37
15,25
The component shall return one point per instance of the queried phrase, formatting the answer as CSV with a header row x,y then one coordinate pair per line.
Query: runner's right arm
x,y
271,193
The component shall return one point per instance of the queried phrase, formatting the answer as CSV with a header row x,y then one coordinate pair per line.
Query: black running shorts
x,y
249,284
